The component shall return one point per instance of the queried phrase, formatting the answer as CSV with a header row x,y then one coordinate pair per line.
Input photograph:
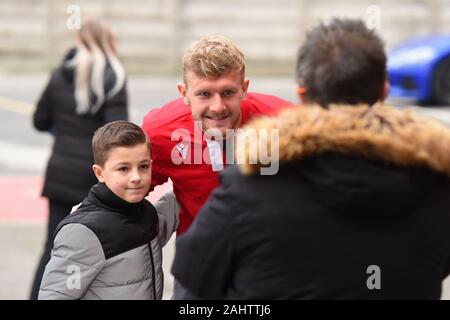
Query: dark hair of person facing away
x,y
116,134
342,62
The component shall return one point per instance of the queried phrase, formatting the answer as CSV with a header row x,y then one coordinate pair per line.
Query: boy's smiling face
x,y
127,172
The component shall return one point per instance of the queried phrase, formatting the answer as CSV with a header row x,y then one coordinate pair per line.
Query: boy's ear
x,y
98,171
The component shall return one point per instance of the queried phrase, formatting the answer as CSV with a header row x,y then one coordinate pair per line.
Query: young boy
x,y
110,247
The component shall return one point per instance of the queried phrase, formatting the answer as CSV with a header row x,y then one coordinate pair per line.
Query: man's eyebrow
x,y
230,89
200,90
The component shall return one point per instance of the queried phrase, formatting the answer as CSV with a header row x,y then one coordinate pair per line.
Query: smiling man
x,y
215,102
187,134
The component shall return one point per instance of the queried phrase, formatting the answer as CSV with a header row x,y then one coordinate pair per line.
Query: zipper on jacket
x,y
153,269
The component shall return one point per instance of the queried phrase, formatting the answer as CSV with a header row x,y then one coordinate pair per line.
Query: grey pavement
x,y
24,152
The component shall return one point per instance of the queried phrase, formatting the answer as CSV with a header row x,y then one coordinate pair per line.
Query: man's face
x,y
215,102
127,172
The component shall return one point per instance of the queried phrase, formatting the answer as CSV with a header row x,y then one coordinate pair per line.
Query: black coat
x,y
350,196
69,173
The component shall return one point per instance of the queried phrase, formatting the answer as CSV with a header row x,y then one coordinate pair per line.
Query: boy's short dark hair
x,y
343,62
116,134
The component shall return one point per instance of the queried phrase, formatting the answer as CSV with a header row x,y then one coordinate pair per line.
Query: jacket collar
x,y
398,137
102,196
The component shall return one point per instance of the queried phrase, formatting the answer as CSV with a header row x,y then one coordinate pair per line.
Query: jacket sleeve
x,y
157,177
77,258
203,253
116,108
168,209
42,116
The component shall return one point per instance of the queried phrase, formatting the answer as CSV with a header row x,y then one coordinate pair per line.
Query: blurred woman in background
x,y
86,91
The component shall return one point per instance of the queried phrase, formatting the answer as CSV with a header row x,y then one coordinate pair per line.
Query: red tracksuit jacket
x,y
192,181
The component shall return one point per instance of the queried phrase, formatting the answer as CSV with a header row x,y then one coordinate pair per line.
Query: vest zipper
x,y
153,269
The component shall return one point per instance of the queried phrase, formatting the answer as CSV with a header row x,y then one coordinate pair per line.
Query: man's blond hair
x,y
212,57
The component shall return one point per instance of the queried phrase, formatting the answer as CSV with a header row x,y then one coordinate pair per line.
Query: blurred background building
x,y
153,33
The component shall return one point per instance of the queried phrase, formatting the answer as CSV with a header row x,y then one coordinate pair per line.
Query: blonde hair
x,y
212,57
95,49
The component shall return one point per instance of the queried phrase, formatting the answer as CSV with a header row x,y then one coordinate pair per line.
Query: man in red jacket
x,y
189,135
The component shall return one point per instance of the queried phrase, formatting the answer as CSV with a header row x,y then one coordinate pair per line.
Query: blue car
x,y
420,70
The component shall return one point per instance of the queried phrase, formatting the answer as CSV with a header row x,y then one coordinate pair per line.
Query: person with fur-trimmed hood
x,y
360,206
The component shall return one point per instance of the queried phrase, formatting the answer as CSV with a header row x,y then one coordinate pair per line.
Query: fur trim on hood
x,y
398,137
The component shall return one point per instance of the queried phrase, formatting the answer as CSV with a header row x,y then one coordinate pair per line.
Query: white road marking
x,y
16,106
